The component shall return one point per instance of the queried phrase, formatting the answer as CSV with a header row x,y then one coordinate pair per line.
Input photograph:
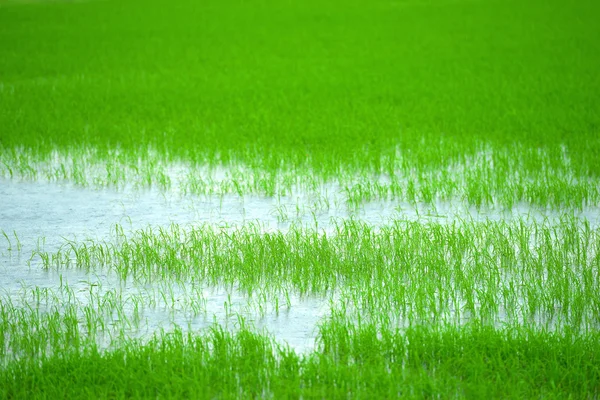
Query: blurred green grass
x,y
272,81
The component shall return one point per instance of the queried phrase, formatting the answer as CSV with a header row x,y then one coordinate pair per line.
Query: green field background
x,y
337,83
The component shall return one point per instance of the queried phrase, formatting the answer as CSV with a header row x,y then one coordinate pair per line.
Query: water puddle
x,y
45,216
110,309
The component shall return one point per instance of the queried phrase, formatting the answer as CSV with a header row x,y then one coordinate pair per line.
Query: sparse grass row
x,y
39,322
546,275
490,176
357,361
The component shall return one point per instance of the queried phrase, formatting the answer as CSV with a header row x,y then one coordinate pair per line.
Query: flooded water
x,y
45,216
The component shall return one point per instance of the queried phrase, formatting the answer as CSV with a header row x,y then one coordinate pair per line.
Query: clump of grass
x,y
492,176
352,361
406,299
543,275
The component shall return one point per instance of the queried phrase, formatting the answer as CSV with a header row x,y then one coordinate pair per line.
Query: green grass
x,y
490,102
509,309
544,275
357,362
331,85
474,103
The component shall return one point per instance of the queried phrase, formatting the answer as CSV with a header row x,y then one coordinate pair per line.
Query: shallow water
x,y
46,216
141,310
49,213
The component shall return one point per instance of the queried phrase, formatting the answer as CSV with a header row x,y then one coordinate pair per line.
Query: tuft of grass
x,y
354,361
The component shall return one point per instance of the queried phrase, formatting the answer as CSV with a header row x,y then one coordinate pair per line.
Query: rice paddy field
x,y
300,199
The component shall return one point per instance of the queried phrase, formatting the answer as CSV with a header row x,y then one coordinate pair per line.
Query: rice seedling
x,y
354,361
502,180
485,270
420,208
379,282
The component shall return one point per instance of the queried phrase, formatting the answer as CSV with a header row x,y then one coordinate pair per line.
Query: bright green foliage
x,y
479,102
544,275
507,309
471,362
325,83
